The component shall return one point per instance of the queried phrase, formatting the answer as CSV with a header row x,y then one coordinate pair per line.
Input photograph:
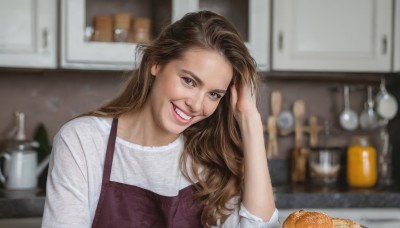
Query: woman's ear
x,y
154,70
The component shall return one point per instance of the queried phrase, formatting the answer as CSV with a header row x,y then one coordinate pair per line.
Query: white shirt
x,y
76,171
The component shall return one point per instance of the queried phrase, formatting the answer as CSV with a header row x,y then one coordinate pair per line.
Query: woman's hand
x,y
243,100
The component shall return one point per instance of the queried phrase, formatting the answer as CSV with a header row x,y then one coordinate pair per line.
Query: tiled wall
x,y
53,97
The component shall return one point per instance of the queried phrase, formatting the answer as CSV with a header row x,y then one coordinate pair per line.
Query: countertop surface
x,y
303,196
286,197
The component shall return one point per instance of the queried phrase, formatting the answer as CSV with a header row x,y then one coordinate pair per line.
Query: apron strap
x,y
110,151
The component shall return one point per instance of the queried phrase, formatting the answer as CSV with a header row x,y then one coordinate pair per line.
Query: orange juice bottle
x,y
361,163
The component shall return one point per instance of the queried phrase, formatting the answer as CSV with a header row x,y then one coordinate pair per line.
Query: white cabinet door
x,y
396,61
368,217
258,23
326,35
78,53
28,33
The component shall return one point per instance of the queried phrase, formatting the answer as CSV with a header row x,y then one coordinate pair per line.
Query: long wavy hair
x,y
213,154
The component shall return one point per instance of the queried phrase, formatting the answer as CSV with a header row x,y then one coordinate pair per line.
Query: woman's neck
x,y
140,128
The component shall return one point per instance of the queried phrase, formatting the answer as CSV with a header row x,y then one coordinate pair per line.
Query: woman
x,y
181,146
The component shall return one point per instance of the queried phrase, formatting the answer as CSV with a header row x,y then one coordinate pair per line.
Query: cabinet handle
x,y
384,45
45,36
280,41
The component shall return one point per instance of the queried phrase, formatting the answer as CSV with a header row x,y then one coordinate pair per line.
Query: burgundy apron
x,y
122,205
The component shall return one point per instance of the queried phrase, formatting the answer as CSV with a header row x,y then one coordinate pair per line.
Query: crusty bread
x,y
344,223
308,219
290,221
314,219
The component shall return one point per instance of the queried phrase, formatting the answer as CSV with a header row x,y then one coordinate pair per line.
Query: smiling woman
x,y
192,86
181,146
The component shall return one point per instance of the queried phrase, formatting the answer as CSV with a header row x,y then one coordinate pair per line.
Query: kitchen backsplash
x,y
53,97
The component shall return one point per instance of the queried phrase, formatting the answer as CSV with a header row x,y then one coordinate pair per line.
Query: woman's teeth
x,y
181,114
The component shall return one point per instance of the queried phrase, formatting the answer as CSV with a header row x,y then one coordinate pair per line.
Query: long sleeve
x,y
67,191
242,218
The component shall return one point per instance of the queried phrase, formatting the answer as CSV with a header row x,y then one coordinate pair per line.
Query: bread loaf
x,y
314,219
344,223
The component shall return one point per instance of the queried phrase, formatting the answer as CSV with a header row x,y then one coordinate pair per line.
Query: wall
x,y
55,96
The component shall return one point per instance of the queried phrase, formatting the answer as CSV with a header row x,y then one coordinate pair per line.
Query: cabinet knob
x,y
384,45
45,39
280,41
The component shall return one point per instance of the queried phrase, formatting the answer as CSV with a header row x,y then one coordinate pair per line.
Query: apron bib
x,y
123,205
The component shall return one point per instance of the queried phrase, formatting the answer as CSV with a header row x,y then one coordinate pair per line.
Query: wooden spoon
x,y
298,110
313,130
276,103
272,148
299,154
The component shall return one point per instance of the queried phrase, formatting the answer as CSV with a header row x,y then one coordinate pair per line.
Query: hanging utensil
x,y
276,103
368,117
348,118
285,122
386,104
299,155
313,130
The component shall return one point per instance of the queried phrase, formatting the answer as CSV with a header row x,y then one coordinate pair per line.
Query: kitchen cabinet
x,y
78,52
369,217
325,35
251,17
28,34
396,60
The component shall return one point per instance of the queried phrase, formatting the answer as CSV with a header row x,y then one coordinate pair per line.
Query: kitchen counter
x,y
303,196
19,206
286,197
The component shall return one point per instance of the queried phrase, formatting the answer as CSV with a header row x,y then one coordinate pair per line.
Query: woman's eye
x,y
215,96
188,81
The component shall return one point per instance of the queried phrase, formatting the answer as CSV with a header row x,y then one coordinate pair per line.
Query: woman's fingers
x,y
234,96
243,98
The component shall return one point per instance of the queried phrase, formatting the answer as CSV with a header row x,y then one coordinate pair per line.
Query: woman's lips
x,y
181,115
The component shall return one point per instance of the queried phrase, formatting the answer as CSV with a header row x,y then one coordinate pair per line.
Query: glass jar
x,y
361,163
324,165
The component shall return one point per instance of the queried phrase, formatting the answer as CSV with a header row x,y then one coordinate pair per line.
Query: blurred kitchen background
x,y
59,58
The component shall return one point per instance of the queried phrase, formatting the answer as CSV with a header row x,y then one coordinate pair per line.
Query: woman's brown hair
x,y
213,146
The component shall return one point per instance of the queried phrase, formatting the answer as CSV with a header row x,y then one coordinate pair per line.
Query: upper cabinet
x,y
326,35
28,34
251,18
87,43
396,61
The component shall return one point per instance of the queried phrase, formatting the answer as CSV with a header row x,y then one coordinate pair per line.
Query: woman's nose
x,y
195,103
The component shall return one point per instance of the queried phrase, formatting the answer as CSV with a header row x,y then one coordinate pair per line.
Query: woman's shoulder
x,y
85,125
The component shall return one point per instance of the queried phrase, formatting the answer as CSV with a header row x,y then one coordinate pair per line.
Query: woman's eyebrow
x,y
200,82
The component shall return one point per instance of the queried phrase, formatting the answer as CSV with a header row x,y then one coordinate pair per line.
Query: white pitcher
x,y
21,169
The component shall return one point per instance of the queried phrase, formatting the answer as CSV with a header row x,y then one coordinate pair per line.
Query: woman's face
x,y
188,90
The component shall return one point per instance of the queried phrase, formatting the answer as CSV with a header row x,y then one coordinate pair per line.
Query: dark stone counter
x,y
335,197
19,204
23,207
286,197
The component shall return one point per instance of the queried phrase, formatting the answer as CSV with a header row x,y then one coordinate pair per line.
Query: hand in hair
x,y
257,195
243,100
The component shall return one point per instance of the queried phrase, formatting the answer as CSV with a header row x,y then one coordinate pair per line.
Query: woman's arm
x,y
67,188
258,197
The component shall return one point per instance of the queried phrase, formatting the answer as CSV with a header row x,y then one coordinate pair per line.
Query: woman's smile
x,y
181,115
